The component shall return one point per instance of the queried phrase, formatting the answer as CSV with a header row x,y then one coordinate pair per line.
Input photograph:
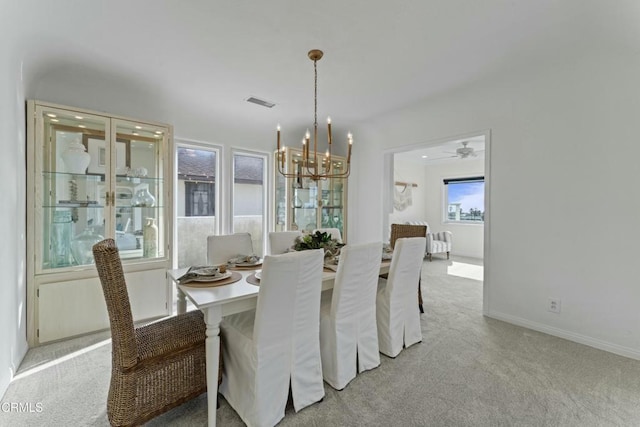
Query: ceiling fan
x,y
465,151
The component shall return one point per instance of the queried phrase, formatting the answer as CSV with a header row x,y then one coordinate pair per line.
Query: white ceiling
x,y
209,56
444,152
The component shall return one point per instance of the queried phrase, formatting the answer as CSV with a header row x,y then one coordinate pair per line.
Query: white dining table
x,y
219,301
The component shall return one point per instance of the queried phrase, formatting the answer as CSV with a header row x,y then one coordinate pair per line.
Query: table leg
x,y
182,302
212,317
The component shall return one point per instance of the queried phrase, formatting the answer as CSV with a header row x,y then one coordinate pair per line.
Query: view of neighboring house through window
x,y
249,197
464,199
196,198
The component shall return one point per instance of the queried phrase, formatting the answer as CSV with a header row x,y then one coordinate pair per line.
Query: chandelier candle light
x,y
311,167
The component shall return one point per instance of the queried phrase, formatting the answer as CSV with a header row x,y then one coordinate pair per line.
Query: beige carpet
x,y
468,371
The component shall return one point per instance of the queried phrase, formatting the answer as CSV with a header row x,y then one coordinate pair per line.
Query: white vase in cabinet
x,y
150,239
75,157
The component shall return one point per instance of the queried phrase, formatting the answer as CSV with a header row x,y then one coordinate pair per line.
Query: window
x,y
249,197
199,198
464,199
196,197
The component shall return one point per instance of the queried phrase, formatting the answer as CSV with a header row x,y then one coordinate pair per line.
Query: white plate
x,y
258,274
205,271
248,264
211,278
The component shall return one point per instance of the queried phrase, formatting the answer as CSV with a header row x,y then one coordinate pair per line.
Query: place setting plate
x,y
255,278
245,265
208,276
216,278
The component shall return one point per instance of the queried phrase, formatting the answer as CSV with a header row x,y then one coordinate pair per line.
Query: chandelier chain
x,y
315,93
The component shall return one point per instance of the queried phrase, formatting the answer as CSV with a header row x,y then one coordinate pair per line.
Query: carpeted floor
x,y
468,371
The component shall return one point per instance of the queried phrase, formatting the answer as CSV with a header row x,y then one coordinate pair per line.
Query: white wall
x,y
564,150
468,239
13,191
406,171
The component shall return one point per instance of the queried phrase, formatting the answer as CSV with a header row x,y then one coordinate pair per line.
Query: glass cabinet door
x,y
280,199
138,196
70,215
332,199
303,197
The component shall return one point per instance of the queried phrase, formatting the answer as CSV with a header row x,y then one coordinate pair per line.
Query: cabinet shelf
x,y
100,178
96,178
137,180
82,205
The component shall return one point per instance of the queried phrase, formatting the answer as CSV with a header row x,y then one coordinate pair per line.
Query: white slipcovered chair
x,y
438,242
281,241
222,248
348,333
397,319
334,232
278,343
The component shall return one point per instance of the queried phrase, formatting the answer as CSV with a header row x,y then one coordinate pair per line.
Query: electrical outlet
x,y
554,305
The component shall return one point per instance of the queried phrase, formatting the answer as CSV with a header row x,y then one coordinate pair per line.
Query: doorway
x,y
445,183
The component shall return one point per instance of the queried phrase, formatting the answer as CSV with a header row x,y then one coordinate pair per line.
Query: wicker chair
x,y
405,230
154,367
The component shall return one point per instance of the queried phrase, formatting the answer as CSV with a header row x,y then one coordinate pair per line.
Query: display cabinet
x,y
91,175
305,204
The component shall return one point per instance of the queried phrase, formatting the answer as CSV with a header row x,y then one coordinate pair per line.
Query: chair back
x,y
404,271
281,241
334,232
354,291
222,248
288,308
399,231
114,287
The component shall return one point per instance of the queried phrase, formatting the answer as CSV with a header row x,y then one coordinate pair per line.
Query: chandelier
x,y
313,165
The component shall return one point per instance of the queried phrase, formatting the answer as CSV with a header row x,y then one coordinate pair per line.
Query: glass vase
x,y
60,255
82,246
143,198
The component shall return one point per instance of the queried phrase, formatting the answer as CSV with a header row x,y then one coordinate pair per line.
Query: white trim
x,y
439,141
571,336
477,223
486,282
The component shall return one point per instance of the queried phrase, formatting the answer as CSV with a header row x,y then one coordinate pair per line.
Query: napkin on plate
x,y
244,259
332,262
199,272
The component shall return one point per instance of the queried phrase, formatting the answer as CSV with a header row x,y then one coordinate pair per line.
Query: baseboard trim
x,y
568,335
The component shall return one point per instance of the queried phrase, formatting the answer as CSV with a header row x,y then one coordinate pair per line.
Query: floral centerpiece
x,y
318,240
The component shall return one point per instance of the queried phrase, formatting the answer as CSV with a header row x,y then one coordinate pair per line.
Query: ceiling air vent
x,y
259,101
